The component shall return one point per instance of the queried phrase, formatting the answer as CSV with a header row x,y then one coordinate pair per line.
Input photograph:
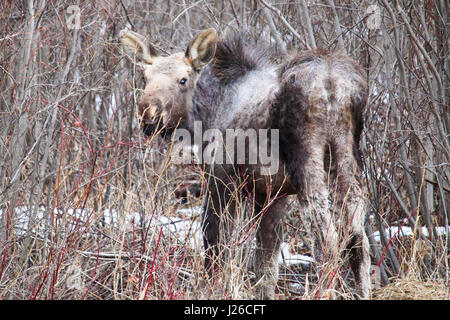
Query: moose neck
x,y
205,100
236,88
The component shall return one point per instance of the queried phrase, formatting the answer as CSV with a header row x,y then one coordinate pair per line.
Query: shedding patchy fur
x,y
315,98
319,110
239,55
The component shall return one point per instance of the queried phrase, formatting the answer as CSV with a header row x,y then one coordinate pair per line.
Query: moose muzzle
x,y
153,118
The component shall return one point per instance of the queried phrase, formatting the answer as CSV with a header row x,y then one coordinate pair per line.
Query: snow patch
x,y
185,226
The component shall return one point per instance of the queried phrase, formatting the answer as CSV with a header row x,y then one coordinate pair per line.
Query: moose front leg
x,y
210,226
218,213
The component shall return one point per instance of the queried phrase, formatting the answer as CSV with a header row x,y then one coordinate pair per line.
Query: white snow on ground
x,y
185,226
406,231
287,258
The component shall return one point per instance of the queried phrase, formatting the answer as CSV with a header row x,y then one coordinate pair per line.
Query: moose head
x,y
170,80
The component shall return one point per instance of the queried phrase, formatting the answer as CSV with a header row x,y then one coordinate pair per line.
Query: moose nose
x,y
149,109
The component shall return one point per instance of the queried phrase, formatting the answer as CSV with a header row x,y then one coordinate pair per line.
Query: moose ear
x,y
202,49
134,46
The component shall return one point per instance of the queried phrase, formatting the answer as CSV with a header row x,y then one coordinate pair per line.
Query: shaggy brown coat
x,y
315,98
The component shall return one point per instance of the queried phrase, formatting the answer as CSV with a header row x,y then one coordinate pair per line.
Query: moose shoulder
x,y
311,103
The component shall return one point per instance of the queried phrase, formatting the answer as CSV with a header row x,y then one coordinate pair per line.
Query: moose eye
x,y
183,81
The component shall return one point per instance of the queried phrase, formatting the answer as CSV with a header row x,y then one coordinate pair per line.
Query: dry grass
x,y
145,244
413,289
88,206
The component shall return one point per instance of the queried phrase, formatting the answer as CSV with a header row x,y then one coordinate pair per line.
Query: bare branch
x,y
282,19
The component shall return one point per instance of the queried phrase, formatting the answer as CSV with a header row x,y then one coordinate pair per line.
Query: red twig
x,y
153,264
5,246
93,273
392,238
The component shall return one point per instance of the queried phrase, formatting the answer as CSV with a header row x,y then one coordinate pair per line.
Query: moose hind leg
x,y
360,264
359,248
314,203
269,237
352,202
306,168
